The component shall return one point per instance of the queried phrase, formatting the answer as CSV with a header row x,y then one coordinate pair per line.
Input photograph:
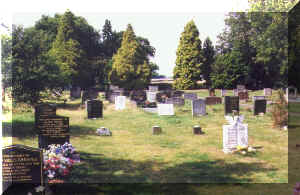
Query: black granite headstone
x,y
94,109
231,103
22,169
260,106
53,130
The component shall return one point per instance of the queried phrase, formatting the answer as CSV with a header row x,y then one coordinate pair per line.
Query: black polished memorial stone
x,y
22,167
231,103
53,130
94,109
260,106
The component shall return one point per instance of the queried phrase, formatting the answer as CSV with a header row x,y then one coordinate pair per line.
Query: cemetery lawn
x,y
134,155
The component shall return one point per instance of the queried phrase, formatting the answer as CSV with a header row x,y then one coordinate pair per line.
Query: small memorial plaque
x,y
120,102
165,109
267,91
231,103
151,96
198,107
94,109
260,106
22,165
190,96
53,130
213,100
153,88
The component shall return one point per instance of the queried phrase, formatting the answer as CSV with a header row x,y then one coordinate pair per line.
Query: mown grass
x,y
134,155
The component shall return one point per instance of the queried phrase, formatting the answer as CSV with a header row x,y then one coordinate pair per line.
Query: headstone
x,y
243,95
190,96
153,88
198,107
151,96
177,93
260,106
197,130
22,167
113,87
223,92
94,109
53,130
267,91
213,100
161,97
258,98
165,109
120,102
231,103
240,87
75,92
235,134
156,130
177,101
44,110
211,92
112,96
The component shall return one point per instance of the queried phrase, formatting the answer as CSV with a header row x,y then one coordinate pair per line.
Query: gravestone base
x,y
197,130
156,130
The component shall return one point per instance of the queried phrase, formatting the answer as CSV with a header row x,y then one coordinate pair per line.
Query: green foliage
x,y
189,59
271,5
130,68
6,60
33,70
208,54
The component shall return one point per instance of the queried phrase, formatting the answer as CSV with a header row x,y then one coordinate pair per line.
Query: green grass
x,y
134,155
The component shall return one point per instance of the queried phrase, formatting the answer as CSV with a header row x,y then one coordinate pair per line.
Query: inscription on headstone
x,y
165,109
120,102
44,110
260,106
94,109
213,100
53,130
231,103
198,107
22,165
190,96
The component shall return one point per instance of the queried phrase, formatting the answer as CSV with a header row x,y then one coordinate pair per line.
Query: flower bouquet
x,y
58,161
245,150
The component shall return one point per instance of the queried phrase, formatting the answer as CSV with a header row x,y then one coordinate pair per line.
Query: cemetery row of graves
x,y
204,136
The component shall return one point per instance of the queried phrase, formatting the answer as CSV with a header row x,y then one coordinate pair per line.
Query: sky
x,y
163,30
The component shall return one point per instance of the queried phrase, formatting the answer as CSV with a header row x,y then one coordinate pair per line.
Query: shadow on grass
x,y
99,169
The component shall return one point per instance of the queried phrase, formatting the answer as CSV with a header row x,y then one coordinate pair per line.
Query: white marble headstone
x,y
235,134
120,102
151,96
165,109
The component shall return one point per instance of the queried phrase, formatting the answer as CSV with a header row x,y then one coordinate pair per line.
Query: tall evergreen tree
x,y
130,68
189,61
208,54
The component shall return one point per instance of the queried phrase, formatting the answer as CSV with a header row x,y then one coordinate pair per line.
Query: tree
x,y
208,54
6,60
33,70
130,68
189,61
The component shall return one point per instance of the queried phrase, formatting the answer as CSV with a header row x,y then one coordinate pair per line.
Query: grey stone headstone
x,y
198,107
260,106
151,96
231,103
190,96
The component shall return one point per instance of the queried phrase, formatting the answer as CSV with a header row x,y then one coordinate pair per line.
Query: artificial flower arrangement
x,y
58,161
244,150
